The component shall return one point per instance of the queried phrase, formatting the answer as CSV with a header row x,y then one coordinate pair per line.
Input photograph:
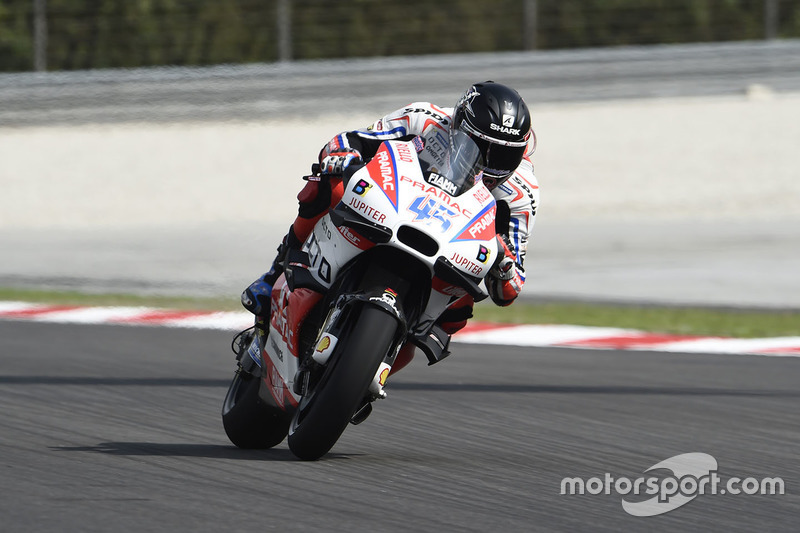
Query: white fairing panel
x,y
391,191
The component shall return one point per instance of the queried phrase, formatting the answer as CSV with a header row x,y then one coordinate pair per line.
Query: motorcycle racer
x,y
498,121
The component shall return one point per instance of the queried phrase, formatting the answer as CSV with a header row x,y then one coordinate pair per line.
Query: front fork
x,y
340,315
248,346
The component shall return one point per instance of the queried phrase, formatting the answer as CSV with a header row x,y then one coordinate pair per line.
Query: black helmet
x,y
497,119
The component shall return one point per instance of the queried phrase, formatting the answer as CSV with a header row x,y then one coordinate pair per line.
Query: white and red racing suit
x,y
517,198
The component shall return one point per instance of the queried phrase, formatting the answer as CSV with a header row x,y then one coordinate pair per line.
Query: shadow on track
x,y
209,451
180,450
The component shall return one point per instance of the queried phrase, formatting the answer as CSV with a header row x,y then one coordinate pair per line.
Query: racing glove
x,y
506,277
337,155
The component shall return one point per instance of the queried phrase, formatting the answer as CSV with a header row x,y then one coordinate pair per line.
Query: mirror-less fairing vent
x,y
414,238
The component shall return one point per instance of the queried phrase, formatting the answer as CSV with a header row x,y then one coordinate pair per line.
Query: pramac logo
x,y
481,227
383,170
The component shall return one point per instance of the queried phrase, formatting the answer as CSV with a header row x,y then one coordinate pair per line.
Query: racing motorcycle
x,y
413,233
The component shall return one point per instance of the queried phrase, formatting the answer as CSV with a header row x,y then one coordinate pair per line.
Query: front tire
x,y
248,421
323,413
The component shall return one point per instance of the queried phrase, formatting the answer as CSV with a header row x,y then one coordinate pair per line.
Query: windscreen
x,y
460,169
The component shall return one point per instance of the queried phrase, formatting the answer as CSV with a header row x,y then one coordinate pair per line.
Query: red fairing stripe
x,y
289,309
301,302
383,169
355,238
443,287
481,227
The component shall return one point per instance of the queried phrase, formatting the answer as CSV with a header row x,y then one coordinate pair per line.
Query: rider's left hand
x,y
505,280
503,267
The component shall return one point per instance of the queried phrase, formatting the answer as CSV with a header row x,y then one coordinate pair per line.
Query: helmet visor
x,y
502,161
501,158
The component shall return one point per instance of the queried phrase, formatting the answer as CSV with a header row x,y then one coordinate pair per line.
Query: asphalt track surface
x,y
117,428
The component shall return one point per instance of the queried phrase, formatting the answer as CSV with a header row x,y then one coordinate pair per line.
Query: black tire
x,y
324,413
248,421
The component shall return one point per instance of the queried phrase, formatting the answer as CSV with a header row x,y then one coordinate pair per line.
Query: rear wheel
x,y
323,413
248,421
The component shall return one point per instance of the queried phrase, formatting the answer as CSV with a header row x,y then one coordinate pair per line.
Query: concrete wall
x,y
720,157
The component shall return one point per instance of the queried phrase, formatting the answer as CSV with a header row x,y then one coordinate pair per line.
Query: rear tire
x,y
323,414
248,421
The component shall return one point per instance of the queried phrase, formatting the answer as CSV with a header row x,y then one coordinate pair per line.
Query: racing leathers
x,y
517,200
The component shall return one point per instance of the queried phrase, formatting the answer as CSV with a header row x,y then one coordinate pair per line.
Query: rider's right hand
x,y
337,155
336,162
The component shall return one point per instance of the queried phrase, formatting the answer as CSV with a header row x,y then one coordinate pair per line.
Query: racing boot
x,y
455,317
257,298
435,345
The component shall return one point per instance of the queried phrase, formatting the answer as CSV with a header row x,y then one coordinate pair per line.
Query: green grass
x,y
109,300
678,320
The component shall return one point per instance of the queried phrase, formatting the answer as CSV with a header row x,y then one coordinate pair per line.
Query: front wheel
x,y
323,413
248,421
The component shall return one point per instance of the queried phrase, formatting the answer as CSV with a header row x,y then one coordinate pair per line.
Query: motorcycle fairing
x,y
274,382
431,244
290,309
390,193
